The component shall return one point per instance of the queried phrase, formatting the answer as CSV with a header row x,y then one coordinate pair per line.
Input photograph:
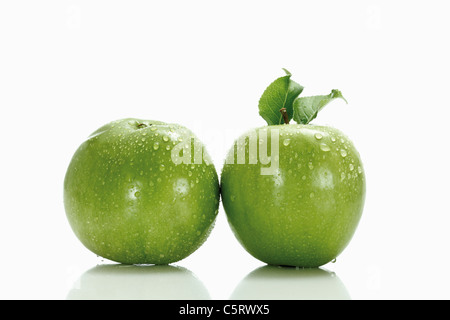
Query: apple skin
x,y
307,212
127,201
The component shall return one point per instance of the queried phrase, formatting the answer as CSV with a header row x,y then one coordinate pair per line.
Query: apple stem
x,y
285,115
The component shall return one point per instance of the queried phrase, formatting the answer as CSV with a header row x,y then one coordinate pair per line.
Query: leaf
x,y
279,94
307,108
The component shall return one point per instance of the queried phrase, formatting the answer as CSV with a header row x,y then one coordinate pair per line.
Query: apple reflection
x,y
288,283
130,282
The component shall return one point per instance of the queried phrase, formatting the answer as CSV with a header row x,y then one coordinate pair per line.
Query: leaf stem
x,y
285,115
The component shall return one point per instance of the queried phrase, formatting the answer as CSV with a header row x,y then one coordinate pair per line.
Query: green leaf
x,y
279,94
307,108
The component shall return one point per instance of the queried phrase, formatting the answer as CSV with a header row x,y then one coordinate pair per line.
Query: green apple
x,y
133,195
301,208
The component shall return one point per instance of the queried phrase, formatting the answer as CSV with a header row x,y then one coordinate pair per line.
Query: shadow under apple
x,y
289,283
131,282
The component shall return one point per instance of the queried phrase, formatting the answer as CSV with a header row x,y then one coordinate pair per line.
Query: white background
x,y
68,67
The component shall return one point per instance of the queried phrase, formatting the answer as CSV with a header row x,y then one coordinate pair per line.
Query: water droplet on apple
x,y
351,167
324,147
154,128
333,261
168,147
310,166
318,136
359,169
137,194
286,142
156,146
343,153
311,195
190,173
333,139
162,167
166,138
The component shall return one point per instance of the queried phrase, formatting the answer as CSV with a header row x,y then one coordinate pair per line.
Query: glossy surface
x,y
306,212
127,201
